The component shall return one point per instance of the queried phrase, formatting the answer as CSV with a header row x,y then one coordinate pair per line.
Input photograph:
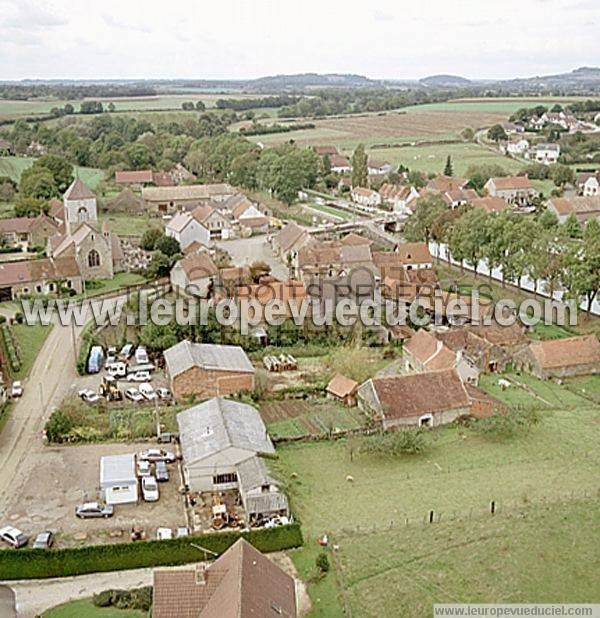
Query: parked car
x,y
89,396
163,534
147,391
126,351
134,395
16,389
143,468
13,536
149,489
44,540
162,472
157,454
96,359
163,393
139,376
94,509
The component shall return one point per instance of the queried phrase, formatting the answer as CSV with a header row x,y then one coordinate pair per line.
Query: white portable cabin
x,y
118,480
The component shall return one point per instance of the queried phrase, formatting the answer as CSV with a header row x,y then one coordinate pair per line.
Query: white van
x,y
141,356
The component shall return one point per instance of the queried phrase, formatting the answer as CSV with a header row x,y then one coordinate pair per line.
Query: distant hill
x,y
446,81
581,79
312,80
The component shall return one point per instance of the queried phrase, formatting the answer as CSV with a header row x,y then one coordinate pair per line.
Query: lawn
x,y
84,608
31,339
104,286
124,224
538,554
14,167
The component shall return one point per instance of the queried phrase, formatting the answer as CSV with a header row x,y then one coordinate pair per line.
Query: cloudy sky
x,y
251,38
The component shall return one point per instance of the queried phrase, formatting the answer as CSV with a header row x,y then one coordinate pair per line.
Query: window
x,y
93,259
220,479
38,289
82,214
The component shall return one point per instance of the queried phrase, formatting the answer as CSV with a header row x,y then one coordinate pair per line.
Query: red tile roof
x,y
570,352
341,386
126,177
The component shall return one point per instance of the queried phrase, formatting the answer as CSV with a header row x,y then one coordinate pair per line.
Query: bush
x,y
322,562
395,443
40,563
138,598
509,423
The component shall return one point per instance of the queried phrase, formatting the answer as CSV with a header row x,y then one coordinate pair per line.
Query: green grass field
x,y
432,159
31,339
84,608
539,554
507,106
124,224
535,477
14,167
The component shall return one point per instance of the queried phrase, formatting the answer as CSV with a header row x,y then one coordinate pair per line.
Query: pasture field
x,y
297,418
124,224
537,554
460,472
432,159
14,167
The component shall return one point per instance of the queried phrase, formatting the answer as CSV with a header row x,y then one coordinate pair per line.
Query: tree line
x,y
565,256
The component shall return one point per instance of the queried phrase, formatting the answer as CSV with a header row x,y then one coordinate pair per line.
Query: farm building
x,y
343,389
562,358
208,370
221,441
27,231
171,199
490,204
213,220
581,207
365,197
241,582
289,241
414,255
194,274
423,399
118,480
134,178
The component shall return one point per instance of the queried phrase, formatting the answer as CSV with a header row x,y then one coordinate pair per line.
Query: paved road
x,y
36,596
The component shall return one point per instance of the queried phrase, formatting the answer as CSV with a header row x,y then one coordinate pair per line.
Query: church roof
x,y
78,191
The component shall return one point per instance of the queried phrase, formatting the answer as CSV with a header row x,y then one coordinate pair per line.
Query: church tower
x,y
80,206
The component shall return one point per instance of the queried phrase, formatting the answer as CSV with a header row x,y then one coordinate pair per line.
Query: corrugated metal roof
x,y
217,424
184,355
117,469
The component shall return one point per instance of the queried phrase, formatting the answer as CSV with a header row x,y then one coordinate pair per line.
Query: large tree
x,y
360,167
497,133
421,223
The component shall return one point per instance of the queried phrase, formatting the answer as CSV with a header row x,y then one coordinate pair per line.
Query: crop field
x,y
538,554
14,166
297,418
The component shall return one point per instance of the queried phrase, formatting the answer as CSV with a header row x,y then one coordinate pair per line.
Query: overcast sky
x,y
252,38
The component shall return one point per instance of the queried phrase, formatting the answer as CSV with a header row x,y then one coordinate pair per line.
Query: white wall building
x,y
118,480
186,229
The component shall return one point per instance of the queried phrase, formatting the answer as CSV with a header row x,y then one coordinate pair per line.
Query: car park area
x,y
71,478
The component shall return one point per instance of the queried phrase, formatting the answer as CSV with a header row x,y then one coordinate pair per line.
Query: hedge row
x,y
11,349
40,563
87,341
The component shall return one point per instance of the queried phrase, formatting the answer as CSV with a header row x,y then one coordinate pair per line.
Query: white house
x,y
194,274
365,197
518,148
186,229
545,153
213,219
118,480
588,184
376,167
401,197
340,164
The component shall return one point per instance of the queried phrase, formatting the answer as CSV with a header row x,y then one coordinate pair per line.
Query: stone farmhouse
x,y
514,189
562,358
207,370
588,184
415,400
583,208
194,275
184,197
27,232
365,197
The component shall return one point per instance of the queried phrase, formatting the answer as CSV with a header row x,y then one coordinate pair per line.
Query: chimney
x,y
201,575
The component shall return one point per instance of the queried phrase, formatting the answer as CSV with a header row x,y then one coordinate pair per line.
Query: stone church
x,y
96,249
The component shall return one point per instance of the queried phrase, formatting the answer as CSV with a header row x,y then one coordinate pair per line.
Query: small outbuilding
x,y
118,480
342,389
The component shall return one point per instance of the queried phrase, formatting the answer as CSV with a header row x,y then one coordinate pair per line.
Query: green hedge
x,y
40,563
87,341
11,350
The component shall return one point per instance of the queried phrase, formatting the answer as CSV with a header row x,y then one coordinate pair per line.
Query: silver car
x,y
44,540
13,536
94,509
